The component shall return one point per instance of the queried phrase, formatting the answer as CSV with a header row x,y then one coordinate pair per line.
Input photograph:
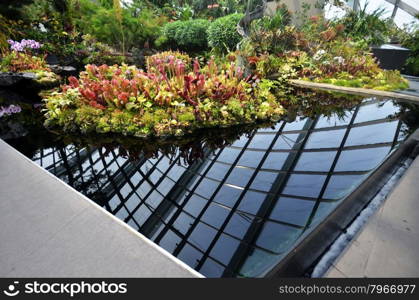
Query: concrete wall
x,y
48,229
294,6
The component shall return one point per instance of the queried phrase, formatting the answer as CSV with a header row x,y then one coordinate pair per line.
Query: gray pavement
x,y
47,229
388,246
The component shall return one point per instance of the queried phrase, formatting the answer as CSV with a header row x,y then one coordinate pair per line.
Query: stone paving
x,y
47,229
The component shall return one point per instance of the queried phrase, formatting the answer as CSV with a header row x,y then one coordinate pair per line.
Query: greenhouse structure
x,y
209,139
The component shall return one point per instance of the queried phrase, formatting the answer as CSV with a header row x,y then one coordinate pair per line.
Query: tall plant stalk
x,y
118,14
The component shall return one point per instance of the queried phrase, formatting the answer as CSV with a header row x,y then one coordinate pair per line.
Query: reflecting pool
x,y
239,207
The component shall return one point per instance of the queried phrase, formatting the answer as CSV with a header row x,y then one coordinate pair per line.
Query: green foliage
x,y
281,19
12,9
185,35
370,27
222,33
192,34
412,42
8,30
385,80
319,51
139,27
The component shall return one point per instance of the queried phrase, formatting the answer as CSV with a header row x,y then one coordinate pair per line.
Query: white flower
x,y
42,28
318,55
339,59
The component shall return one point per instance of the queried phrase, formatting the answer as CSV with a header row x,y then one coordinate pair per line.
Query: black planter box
x,y
391,57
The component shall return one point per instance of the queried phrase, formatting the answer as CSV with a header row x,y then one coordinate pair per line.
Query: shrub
x,y
185,35
370,27
412,42
319,51
192,35
102,23
222,33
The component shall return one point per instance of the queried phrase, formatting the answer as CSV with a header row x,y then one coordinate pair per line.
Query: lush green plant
x,y
185,35
412,42
372,27
193,35
222,33
319,51
12,9
168,34
129,101
140,27
8,30
279,20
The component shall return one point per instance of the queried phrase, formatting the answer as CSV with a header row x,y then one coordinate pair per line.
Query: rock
x,y
8,96
29,83
12,130
8,79
63,70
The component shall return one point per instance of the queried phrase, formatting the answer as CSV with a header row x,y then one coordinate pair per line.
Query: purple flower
x,y
10,110
14,109
23,44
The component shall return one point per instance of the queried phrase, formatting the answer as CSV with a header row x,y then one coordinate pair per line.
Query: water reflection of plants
x,y
194,146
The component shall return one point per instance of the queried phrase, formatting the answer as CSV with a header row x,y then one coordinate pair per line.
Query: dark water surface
x,y
241,207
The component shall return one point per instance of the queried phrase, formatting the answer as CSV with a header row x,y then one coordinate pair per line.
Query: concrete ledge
x,y
47,229
351,90
388,245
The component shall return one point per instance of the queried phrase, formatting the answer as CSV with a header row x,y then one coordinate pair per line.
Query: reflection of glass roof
x,y
239,210
402,11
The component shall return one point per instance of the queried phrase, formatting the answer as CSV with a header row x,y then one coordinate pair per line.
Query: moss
x,y
385,80
186,117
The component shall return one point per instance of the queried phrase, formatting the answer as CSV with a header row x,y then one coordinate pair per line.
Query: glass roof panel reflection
x,y
238,209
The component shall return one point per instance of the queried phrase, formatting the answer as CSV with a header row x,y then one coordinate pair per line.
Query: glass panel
x,y
372,134
277,237
304,185
240,176
251,202
261,141
341,185
325,139
190,255
202,236
292,210
275,160
376,111
361,159
251,158
211,269
224,249
215,215
315,161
